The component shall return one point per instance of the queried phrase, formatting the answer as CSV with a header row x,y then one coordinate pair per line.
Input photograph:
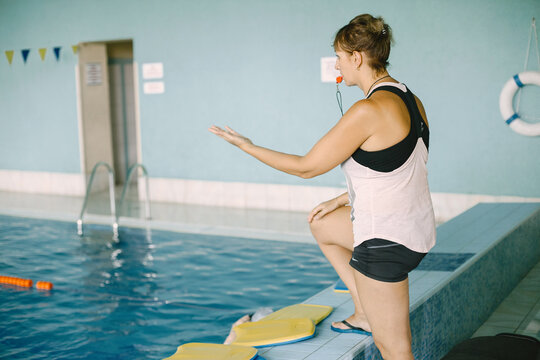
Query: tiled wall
x,y
42,182
240,194
291,197
227,194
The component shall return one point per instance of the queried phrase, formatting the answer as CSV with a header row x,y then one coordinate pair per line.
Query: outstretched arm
x,y
334,148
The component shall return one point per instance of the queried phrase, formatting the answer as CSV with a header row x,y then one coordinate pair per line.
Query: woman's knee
x,y
317,226
334,228
321,230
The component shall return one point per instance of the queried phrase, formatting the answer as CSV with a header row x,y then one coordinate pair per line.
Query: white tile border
x,y
448,205
240,195
292,197
231,194
36,182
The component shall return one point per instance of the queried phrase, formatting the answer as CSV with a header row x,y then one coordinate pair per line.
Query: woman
x,y
378,231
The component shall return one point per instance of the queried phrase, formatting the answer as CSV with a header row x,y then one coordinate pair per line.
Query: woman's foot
x,y
352,324
232,335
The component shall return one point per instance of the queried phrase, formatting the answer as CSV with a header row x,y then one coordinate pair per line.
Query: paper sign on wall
x,y
152,71
328,70
154,87
93,74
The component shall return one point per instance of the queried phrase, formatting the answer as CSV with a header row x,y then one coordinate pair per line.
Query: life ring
x,y
506,100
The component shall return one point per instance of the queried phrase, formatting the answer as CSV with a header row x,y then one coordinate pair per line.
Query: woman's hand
x,y
322,209
230,135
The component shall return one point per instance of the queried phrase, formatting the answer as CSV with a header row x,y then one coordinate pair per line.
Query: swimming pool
x,y
143,296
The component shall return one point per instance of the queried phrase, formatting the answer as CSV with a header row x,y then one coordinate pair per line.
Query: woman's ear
x,y
358,58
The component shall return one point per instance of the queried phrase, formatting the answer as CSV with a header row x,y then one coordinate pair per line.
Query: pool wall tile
x,y
453,237
439,261
415,275
454,312
426,286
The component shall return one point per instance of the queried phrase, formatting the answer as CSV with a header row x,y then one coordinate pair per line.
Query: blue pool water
x,y
142,297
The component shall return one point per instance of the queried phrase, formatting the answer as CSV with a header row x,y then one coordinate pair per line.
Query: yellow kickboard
x,y
273,332
201,351
316,313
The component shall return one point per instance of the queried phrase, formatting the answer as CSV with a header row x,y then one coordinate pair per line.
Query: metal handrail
x,y
112,197
130,173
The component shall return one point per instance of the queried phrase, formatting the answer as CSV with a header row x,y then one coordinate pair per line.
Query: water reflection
x,y
119,281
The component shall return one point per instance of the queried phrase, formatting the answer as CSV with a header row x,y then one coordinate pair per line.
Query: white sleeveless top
x,y
394,205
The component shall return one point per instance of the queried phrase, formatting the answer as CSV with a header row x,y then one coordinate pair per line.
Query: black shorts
x,y
385,260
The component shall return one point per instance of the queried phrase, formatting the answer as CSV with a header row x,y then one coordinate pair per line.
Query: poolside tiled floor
x,y
251,223
519,313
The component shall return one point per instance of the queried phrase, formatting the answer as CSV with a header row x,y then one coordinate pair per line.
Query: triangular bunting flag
x,y
9,55
57,52
42,53
75,48
25,53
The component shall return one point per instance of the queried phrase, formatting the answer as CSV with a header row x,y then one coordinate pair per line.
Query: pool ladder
x,y
112,195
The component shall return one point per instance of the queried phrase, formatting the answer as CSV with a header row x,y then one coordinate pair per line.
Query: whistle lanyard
x,y
339,79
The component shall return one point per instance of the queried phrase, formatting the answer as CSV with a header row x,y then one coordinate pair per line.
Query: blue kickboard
x,y
340,287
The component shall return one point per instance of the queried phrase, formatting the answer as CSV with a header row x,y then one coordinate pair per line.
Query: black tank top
x,y
393,157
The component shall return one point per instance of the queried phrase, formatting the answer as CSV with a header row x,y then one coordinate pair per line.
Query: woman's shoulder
x,y
364,106
363,115
367,109
385,103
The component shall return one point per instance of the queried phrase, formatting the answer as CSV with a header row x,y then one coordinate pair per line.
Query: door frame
x,y
86,168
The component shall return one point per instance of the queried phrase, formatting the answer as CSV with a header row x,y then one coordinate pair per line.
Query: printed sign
x,y
93,74
152,71
154,87
328,69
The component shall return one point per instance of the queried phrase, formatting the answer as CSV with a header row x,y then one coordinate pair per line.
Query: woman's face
x,y
345,64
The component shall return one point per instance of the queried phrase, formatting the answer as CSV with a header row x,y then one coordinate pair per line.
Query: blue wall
x,y
255,65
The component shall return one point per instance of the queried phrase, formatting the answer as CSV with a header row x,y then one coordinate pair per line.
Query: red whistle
x,y
339,79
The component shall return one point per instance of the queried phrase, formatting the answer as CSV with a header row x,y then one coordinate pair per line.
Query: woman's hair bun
x,y
368,34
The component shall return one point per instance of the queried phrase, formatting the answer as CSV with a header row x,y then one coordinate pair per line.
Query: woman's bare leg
x,y
386,305
334,235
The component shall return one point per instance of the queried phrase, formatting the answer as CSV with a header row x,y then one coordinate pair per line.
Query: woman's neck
x,y
371,79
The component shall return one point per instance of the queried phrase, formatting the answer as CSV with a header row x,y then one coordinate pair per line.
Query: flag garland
x,y
42,53
25,53
57,52
9,56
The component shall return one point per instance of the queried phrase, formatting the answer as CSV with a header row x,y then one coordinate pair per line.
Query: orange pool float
x,y
16,281
44,285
